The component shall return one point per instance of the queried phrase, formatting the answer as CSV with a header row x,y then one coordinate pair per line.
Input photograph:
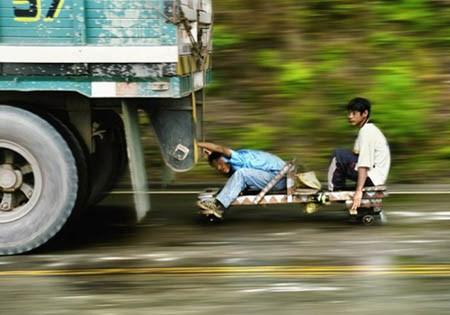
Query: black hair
x,y
214,156
359,104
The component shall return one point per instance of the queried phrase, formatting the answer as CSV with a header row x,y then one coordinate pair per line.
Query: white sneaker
x,y
210,207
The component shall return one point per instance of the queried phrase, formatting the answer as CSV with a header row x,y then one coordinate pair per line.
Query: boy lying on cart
x,y
246,169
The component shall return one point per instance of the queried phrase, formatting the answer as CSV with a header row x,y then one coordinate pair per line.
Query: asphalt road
x,y
272,260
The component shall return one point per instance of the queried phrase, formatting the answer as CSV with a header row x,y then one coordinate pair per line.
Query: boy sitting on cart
x,y
369,163
247,169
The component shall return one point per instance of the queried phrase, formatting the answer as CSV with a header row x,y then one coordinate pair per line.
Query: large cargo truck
x,y
73,76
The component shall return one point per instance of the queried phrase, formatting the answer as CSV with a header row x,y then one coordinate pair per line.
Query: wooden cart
x,y
370,211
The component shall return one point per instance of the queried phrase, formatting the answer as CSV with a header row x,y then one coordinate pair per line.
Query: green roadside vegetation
x,y
284,70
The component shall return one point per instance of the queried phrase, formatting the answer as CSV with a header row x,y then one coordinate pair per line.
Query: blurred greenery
x,y
284,71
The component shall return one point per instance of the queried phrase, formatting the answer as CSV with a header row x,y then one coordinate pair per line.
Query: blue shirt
x,y
255,159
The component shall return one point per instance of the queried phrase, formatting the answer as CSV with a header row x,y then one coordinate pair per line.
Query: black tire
x,y
80,153
54,179
368,219
109,160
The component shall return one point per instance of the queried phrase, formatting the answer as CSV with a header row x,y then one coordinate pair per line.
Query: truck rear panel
x,y
103,48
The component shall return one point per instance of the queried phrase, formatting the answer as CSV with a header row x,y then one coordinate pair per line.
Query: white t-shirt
x,y
373,152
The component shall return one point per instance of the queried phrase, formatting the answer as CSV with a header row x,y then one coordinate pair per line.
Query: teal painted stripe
x,y
36,32
123,13
120,32
108,4
123,23
58,41
6,12
121,41
126,10
179,86
38,84
59,23
169,34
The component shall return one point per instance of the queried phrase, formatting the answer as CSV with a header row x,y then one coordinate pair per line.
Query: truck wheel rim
x,y
20,181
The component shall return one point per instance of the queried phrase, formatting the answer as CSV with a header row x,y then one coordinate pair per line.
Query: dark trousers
x,y
342,167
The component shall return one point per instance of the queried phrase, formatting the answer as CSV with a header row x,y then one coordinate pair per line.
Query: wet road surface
x,y
260,261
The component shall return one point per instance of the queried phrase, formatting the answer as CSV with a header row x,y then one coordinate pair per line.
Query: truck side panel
x,y
24,22
128,23
91,22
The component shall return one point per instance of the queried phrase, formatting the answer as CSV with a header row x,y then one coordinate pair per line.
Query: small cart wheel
x,y
209,218
367,219
212,219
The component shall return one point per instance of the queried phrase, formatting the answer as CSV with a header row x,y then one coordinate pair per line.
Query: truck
x,y
74,78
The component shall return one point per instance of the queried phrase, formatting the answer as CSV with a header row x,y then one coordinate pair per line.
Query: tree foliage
x,y
293,65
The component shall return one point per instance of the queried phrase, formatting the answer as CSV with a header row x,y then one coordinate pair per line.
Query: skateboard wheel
x,y
368,219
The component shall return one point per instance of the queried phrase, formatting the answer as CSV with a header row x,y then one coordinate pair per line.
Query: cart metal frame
x,y
369,212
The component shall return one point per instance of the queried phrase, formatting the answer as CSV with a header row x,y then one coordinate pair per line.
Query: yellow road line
x,y
266,271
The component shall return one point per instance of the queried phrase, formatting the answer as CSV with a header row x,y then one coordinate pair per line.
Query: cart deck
x,y
371,207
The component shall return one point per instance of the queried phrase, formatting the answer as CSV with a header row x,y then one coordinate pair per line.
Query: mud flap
x,y
176,123
136,160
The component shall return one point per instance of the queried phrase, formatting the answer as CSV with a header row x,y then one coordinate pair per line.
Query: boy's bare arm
x,y
362,176
212,147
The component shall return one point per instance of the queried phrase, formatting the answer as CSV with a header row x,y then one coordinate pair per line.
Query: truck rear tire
x,y
38,181
109,160
80,153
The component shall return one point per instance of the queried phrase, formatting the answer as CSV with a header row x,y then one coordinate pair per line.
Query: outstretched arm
x,y
362,176
212,147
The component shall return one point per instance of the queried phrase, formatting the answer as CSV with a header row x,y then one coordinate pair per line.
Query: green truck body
x,y
77,72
